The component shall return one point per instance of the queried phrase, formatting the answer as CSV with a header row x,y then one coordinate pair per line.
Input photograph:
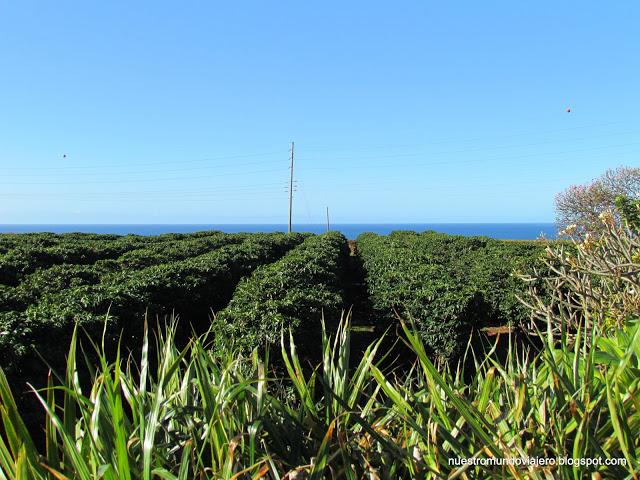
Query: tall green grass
x,y
185,414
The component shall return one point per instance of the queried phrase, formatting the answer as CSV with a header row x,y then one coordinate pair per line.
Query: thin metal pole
x,y
291,189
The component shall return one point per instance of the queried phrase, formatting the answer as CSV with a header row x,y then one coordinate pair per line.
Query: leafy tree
x,y
581,205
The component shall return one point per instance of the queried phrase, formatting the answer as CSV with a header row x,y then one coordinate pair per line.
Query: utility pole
x,y
328,228
291,189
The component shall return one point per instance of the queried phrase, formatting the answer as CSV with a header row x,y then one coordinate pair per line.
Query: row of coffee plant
x,y
446,284
292,293
70,273
21,255
191,287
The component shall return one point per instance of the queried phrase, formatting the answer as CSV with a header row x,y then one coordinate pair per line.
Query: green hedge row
x,y
51,280
189,287
33,252
9,241
446,284
293,292
56,278
174,250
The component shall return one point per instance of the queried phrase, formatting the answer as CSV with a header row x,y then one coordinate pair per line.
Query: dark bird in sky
x,y
568,110
64,155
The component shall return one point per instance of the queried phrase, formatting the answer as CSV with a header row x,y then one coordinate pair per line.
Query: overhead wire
x,y
458,140
167,162
268,191
169,179
480,160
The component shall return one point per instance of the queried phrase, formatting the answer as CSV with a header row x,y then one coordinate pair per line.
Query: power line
x,y
168,162
169,179
368,166
466,150
306,203
484,160
267,154
469,139
136,172
44,171
258,199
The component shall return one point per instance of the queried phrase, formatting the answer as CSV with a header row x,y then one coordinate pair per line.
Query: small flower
x,y
607,218
589,243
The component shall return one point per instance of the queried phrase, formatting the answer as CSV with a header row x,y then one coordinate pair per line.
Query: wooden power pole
x,y
328,228
291,189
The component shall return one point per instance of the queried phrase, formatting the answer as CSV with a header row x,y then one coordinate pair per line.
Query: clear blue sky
x,y
417,111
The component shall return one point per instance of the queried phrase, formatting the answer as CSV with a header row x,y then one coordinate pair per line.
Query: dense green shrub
x,y
174,250
293,292
447,284
25,259
57,278
8,241
32,252
492,273
195,285
27,342
190,287
9,299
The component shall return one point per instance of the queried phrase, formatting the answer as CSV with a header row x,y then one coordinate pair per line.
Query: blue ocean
x,y
503,231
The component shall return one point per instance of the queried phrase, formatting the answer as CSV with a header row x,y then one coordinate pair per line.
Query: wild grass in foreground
x,y
195,415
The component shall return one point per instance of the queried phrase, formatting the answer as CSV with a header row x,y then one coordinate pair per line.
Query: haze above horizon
x,y
419,112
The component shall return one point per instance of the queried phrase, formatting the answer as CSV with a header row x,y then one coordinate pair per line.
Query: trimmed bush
x,y
191,288
446,284
293,292
69,275
175,250
25,259
27,253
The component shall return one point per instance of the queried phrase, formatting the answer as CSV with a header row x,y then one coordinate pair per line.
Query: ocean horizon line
x,y
503,231
277,223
